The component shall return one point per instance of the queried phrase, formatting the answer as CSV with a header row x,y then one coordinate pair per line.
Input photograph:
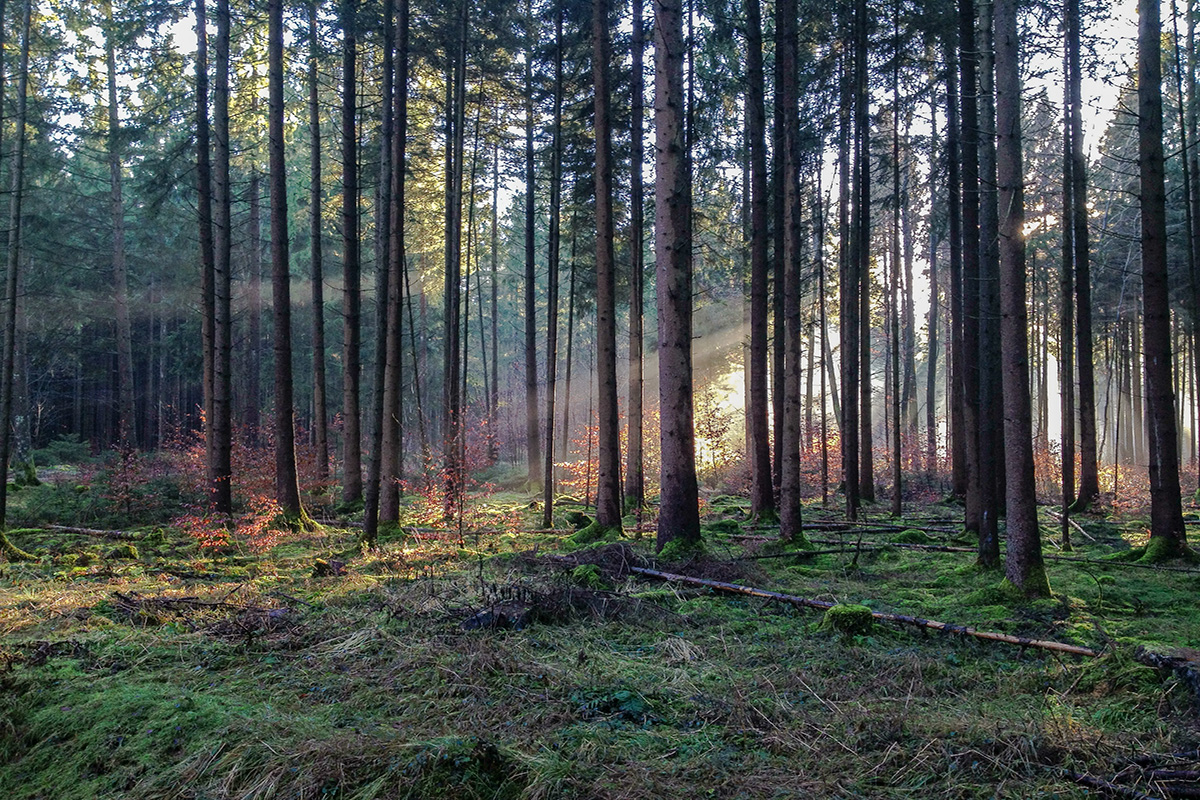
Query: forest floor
x,y
506,662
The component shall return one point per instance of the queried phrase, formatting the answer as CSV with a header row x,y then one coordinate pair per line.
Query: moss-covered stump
x,y
911,536
850,619
594,533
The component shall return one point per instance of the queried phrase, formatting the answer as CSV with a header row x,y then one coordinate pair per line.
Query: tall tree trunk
x,y
848,280
1167,535
991,406
393,450
552,262
383,290
935,299
1066,320
894,301
635,472
452,430
862,136
220,470
762,497
126,411
608,485
251,418
352,481
8,357
956,371
1023,568
533,443
287,488
204,218
320,414
494,396
1089,477
679,511
787,99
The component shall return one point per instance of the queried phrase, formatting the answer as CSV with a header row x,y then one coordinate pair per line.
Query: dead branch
x,y
1110,789
1055,515
1059,647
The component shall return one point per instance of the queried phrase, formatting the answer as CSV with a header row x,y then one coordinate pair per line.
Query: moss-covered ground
x,y
496,661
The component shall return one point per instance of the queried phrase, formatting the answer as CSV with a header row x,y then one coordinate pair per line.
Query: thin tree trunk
x,y
635,472
204,214
848,280
383,291
935,302
787,99
956,372
221,468
862,136
608,484
762,497
251,419
1167,534
552,264
320,414
287,488
679,512
894,300
126,412
1066,314
1089,477
533,444
452,315
352,481
494,396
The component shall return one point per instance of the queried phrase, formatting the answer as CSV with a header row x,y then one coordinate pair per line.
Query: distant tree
x,y
635,473
317,272
220,469
352,481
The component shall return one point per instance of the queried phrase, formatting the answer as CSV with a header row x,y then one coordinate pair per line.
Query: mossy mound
x,y
725,527
595,533
850,619
683,550
577,520
124,552
588,576
1117,671
911,536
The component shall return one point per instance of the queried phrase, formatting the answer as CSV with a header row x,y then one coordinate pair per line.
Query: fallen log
x,y
122,535
904,619
1056,516
1106,788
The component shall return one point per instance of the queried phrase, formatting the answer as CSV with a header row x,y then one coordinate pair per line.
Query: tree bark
x,y
552,261
533,442
679,512
1167,535
1024,567
848,288
762,496
352,481
204,218
320,413
635,472
126,410
287,487
220,470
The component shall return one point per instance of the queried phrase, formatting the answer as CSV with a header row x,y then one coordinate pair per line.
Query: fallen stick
x,y
125,535
904,619
1056,516
1104,787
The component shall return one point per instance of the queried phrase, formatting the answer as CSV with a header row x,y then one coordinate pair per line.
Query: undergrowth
x,y
491,660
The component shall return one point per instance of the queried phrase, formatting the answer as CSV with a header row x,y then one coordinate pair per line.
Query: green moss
x,y
588,576
724,527
1117,671
595,533
1162,548
848,618
577,520
997,594
911,536
683,550
124,551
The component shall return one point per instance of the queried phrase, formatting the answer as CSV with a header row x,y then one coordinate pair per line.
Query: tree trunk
x,y
862,136
383,291
393,451
204,215
635,472
956,371
352,481
787,99
320,414
1066,313
679,512
8,356
533,444
762,497
894,300
848,280
1167,536
220,470
452,314
552,262
1089,478
287,488
935,302
251,419
608,485
1024,568
126,411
